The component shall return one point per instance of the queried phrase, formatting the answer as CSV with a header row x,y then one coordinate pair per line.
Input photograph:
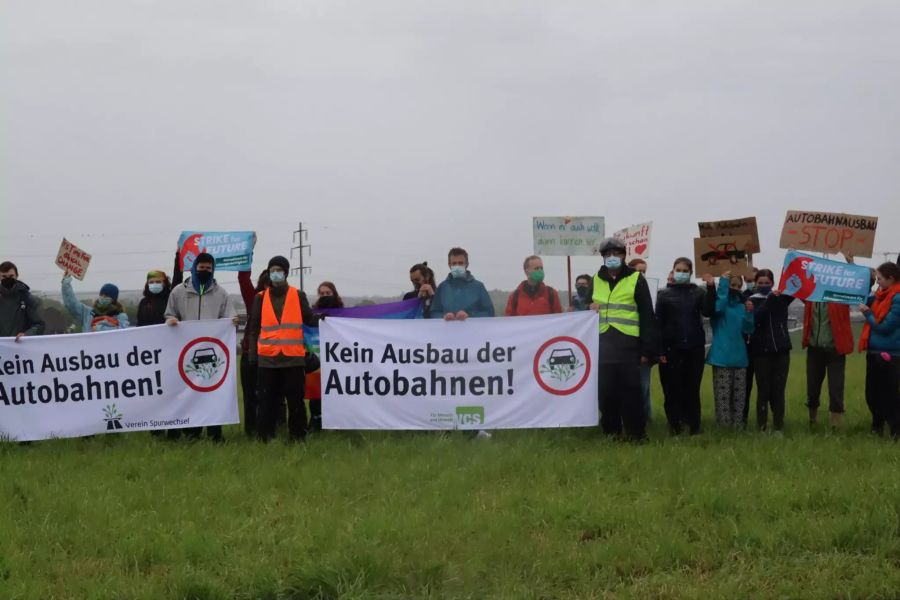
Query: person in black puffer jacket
x,y
770,345
680,309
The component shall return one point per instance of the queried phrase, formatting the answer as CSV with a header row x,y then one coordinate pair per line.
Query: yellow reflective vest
x,y
618,308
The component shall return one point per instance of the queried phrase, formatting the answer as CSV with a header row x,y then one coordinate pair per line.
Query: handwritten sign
x,y
818,279
721,254
829,232
568,236
636,239
745,226
72,259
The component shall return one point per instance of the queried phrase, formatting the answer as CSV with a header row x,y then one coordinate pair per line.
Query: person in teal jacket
x,y
731,320
461,296
103,315
880,340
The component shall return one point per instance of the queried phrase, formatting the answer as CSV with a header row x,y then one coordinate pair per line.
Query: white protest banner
x,y
72,259
139,379
636,239
568,236
497,373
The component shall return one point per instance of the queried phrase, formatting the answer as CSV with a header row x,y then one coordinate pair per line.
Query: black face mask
x,y
327,302
582,291
8,283
204,277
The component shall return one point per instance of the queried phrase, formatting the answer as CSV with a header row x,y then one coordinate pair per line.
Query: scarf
x,y
880,309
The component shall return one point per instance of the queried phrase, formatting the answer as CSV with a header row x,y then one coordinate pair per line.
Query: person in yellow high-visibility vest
x,y
628,338
276,345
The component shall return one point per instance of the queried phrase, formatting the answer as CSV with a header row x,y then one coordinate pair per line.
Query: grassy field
x,y
526,515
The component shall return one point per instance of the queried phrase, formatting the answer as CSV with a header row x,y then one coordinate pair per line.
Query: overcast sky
x,y
395,130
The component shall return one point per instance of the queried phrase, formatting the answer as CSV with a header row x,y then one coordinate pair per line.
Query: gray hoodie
x,y
186,303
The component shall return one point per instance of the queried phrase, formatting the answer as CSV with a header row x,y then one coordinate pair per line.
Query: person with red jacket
x,y
828,340
533,297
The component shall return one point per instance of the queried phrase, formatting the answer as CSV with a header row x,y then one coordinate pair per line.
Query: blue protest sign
x,y
233,250
816,279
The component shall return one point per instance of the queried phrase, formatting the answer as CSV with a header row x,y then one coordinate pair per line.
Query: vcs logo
x,y
469,416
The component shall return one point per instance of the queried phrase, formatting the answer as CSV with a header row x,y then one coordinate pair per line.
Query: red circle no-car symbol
x,y
587,366
181,367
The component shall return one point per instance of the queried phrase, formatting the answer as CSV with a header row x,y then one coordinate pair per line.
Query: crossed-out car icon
x,y
562,356
204,356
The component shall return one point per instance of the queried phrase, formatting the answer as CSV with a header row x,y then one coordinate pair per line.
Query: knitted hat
x,y
280,261
110,290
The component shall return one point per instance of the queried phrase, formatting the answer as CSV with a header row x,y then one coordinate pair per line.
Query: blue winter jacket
x,y
463,293
730,323
885,336
90,320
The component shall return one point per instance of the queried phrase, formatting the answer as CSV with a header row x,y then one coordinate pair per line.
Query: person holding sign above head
x,y
628,338
104,314
461,296
731,320
18,308
880,340
200,298
680,309
275,330
533,297
770,345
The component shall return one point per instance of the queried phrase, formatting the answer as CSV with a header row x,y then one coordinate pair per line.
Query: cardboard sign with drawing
x,y
721,254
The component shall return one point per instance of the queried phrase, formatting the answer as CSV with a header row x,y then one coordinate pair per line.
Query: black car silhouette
x,y
562,356
204,356
727,252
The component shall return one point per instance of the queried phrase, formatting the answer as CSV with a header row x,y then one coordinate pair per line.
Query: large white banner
x,y
498,373
136,379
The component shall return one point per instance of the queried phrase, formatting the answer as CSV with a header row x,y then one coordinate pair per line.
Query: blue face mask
x,y
763,289
612,262
276,276
458,271
104,301
680,277
155,288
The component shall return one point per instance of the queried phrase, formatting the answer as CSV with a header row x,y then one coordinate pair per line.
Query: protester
x,y
880,340
628,337
276,346
581,300
680,309
328,297
749,290
19,315
770,346
105,314
200,298
249,382
461,296
422,278
828,338
533,296
640,265
732,319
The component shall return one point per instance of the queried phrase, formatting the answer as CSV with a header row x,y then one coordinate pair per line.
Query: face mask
x,y
104,301
327,302
155,288
581,290
612,262
682,277
536,276
276,276
204,277
764,289
751,287
458,271
8,283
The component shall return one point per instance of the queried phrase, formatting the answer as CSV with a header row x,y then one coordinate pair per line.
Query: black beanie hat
x,y
280,261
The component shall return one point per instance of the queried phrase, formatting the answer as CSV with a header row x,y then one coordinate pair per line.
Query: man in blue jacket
x,y
461,296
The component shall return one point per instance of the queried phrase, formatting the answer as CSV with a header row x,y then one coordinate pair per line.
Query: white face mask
x,y
276,276
155,288
680,277
612,262
458,271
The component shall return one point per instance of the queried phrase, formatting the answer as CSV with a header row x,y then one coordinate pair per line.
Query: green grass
x,y
526,515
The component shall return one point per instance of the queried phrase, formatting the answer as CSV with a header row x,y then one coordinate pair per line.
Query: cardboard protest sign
x,y
817,279
568,236
233,250
636,239
72,259
721,254
745,226
831,233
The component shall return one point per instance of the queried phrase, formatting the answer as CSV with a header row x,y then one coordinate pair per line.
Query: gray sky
x,y
397,129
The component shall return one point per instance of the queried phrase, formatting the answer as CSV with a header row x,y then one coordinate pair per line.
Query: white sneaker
x,y
484,435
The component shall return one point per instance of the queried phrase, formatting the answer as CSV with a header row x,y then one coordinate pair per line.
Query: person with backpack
x,y
103,314
880,340
533,296
19,316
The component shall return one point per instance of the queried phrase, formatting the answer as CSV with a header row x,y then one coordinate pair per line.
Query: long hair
x,y
338,302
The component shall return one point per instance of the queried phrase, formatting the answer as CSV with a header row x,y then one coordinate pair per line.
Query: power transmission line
x,y
299,236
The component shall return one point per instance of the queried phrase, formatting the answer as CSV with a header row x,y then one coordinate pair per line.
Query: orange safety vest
x,y
285,337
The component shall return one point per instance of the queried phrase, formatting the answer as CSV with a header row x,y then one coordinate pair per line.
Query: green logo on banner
x,y
470,415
